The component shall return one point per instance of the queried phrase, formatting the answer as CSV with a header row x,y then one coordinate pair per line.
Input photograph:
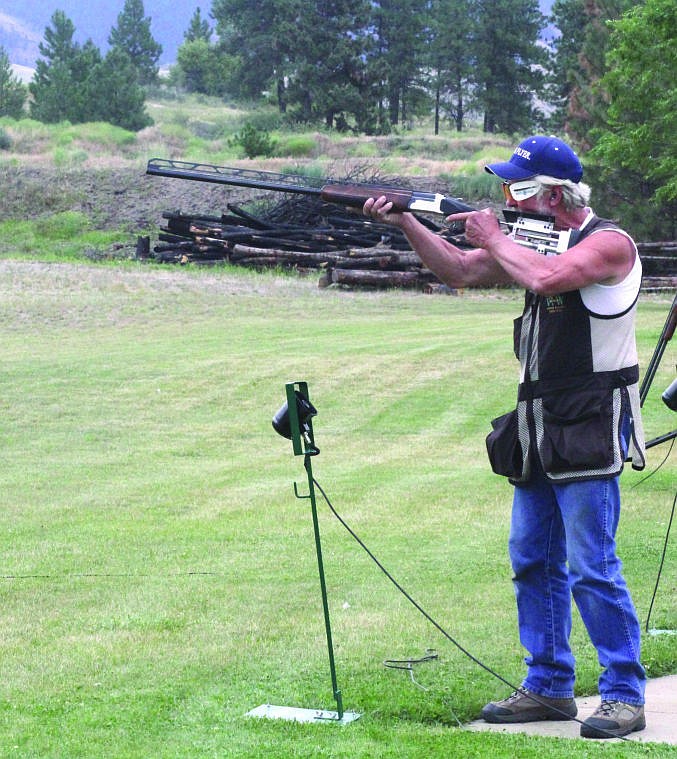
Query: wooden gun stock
x,y
355,195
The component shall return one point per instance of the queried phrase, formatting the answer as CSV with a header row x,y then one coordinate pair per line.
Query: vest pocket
x,y
577,431
517,335
504,448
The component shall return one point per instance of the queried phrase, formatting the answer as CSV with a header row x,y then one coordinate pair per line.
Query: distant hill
x,y
19,40
23,23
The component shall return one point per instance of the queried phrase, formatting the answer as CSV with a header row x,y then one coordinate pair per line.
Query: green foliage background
x,y
636,148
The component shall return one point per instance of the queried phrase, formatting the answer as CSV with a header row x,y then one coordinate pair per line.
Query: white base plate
x,y
297,714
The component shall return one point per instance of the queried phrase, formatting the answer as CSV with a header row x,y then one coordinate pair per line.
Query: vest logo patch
x,y
554,304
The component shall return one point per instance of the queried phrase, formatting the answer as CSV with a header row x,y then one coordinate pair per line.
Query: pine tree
x,y
203,67
73,83
198,29
586,108
450,56
193,63
54,88
400,44
133,36
118,97
262,37
12,92
83,70
507,53
569,18
328,75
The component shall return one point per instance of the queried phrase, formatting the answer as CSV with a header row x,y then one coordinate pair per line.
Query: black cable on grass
x,y
660,568
439,627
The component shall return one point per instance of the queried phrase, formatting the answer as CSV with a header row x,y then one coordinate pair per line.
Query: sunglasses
x,y
520,190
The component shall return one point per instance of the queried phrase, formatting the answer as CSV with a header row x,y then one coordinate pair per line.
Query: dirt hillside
x,y
111,198
114,198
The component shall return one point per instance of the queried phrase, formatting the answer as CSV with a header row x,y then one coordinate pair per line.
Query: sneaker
x,y
613,719
520,707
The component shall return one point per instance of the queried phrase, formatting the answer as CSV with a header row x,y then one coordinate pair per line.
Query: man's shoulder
x,y
597,223
600,224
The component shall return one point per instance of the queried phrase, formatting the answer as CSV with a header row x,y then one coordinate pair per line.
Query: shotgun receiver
x,y
352,195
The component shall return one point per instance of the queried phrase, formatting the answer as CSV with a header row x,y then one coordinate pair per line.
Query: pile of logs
x,y
345,248
305,234
659,265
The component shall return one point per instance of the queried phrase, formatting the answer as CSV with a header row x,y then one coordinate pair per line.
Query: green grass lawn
x,y
158,575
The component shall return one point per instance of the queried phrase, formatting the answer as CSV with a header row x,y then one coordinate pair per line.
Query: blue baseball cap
x,y
539,155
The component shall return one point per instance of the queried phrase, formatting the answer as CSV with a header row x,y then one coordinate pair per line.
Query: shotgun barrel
x,y
352,195
206,172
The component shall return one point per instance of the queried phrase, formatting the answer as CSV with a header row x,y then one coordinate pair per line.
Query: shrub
x,y
5,140
254,141
297,146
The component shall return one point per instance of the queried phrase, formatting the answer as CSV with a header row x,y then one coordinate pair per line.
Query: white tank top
x,y
608,300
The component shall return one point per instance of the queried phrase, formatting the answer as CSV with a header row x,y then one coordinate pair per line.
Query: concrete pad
x,y
660,711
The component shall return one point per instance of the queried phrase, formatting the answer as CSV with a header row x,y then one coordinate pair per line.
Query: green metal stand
x,y
301,432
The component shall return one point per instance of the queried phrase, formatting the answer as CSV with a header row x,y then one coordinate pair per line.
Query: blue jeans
x,y
574,524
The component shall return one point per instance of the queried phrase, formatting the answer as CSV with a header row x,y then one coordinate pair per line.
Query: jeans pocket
x,y
504,448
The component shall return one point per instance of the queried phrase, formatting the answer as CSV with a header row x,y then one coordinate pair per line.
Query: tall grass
x,y
204,129
158,573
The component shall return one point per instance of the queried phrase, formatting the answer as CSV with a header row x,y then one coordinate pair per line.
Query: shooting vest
x,y
578,406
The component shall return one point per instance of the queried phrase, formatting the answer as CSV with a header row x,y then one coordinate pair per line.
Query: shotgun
x,y
531,230
352,195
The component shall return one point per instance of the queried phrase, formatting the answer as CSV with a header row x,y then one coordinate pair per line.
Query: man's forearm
x,y
452,265
522,265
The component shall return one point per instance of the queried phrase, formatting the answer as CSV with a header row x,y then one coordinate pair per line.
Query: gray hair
x,y
574,194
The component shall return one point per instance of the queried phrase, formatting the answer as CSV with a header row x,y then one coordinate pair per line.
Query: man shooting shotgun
x,y
576,420
577,417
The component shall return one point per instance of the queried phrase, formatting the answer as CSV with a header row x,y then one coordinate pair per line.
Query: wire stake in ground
x,y
408,665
